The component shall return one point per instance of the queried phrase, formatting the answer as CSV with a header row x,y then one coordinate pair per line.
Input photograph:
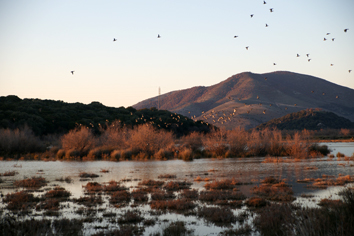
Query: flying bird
x,y
158,36
309,60
274,64
328,33
114,39
349,71
345,30
324,39
333,39
266,25
312,91
271,9
307,55
235,36
331,64
265,78
72,72
297,55
337,96
251,15
264,2
247,47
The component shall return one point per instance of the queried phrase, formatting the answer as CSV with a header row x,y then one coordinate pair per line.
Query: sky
x,y
42,41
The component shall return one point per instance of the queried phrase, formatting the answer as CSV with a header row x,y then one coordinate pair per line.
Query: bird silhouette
x,y
324,39
349,71
307,55
235,36
312,91
274,64
266,25
158,36
333,39
247,47
265,78
251,15
309,60
337,96
331,64
271,9
114,39
328,33
297,55
345,30
72,72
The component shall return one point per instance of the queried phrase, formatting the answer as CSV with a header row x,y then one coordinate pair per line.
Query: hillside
x,y
248,99
57,117
310,119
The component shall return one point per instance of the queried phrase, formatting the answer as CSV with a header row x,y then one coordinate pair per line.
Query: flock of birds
x,y
221,116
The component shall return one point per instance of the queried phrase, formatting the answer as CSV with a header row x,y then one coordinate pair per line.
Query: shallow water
x,y
249,170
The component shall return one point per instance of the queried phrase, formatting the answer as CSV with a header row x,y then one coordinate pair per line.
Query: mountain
x,y
310,119
248,99
57,117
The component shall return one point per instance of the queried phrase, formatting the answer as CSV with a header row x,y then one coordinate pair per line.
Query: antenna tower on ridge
x,y
158,99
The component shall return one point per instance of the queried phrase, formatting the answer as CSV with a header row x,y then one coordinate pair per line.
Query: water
x,y
248,170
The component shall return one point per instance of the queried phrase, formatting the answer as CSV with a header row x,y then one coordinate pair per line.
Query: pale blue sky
x,y
41,41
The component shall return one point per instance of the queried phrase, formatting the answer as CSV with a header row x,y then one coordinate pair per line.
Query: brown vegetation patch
x,y
256,202
151,183
113,186
48,204
177,228
217,215
131,217
276,192
270,180
89,201
175,205
162,195
9,173
190,194
65,179
93,187
120,197
177,185
218,195
222,184
199,179
139,195
57,192
34,182
167,176
20,201
330,203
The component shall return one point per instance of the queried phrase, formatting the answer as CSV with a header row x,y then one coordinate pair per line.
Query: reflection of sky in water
x,y
244,170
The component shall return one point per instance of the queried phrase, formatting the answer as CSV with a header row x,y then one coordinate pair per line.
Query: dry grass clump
x,y
186,154
131,217
306,180
173,205
330,203
93,187
219,195
217,215
200,179
9,173
113,186
190,194
57,192
339,154
167,176
89,201
79,139
139,195
256,202
34,182
273,160
20,201
274,190
88,175
48,204
326,181
222,184
162,195
311,168
151,183
122,196
177,185
65,179
177,228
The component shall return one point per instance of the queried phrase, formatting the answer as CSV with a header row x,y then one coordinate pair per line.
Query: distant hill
x,y
248,99
51,117
310,119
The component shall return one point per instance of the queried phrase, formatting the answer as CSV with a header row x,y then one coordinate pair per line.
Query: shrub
x,y
57,192
177,228
163,154
256,202
177,205
120,197
80,139
186,154
130,217
193,141
217,215
34,182
60,154
222,184
177,185
20,201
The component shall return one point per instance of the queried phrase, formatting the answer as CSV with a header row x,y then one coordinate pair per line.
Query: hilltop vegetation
x,y
309,119
45,117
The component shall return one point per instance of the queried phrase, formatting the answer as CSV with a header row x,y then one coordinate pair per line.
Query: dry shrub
x,y
34,182
274,190
65,179
186,154
120,197
256,202
88,175
19,141
113,186
297,147
72,154
60,154
80,139
20,201
164,154
193,141
273,160
215,143
175,205
99,153
162,195
237,140
270,180
330,203
115,136
48,204
147,139
151,183
139,195
177,185
217,215
9,173
57,192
